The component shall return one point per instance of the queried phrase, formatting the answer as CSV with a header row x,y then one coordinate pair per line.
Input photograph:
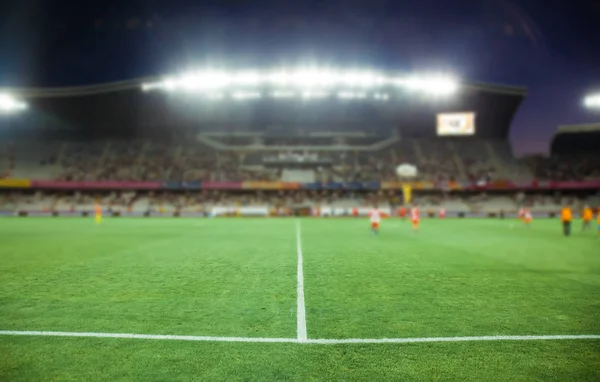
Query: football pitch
x,y
297,299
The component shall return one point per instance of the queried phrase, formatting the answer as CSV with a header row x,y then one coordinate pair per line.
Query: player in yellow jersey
x,y
98,213
566,215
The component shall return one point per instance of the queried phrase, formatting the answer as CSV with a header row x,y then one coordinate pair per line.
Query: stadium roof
x,y
116,86
121,106
576,139
583,128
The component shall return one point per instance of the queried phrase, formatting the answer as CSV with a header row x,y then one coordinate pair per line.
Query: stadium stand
x,y
356,147
194,160
176,140
574,155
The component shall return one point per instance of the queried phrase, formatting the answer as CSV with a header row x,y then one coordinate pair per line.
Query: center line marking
x,y
301,308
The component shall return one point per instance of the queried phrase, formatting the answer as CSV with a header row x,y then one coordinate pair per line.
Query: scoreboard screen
x,y
456,123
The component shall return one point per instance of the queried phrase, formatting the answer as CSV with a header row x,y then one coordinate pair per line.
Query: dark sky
x,y
550,46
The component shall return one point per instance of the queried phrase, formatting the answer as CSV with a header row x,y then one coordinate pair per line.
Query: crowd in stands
x,y
203,200
7,160
567,167
188,160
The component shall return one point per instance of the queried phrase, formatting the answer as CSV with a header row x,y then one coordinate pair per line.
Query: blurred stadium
x,y
284,143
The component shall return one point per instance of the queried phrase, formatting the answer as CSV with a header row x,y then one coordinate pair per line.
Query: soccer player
x,y
598,223
442,213
521,213
98,213
375,216
526,217
415,217
566,215
587,217
403,212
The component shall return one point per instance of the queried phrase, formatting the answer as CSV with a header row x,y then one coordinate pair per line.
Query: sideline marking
x,y
301,307
297,340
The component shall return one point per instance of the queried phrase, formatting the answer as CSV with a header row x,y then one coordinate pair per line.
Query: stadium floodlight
x,y
248,78
313,79
245,95
147,86
202,81
351,95
381,96
279,78
592,101
303,80
282,94
314,94
435,85
345,95
356,79
365,80
9,104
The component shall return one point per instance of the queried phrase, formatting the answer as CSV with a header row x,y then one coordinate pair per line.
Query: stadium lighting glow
x,y
215,96
283,94
9,104
303,79
352,95
245,95
314,94
248,79
592,101
381,96
432,85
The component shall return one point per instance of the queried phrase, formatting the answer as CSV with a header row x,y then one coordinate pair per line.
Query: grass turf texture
x,y
237,277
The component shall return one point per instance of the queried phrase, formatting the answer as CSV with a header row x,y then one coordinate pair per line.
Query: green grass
x,y
237,277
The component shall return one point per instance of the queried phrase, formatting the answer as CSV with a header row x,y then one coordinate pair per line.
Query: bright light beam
x,y
305,80
592,101
9,104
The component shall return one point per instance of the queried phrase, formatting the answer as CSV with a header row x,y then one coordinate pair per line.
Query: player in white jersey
x,y
375,216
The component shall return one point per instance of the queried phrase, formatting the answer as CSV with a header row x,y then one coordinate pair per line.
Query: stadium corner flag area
x,y
297,299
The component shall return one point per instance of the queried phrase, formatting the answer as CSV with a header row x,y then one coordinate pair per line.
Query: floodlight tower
x,y
592,101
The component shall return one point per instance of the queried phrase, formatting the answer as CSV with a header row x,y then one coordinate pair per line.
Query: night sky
x,y
550,46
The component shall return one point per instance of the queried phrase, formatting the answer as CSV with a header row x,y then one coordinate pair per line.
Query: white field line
x,y
144,336
452,339
295,340
301,308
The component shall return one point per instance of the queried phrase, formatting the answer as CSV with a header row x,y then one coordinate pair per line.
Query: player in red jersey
x,y
403,212
415,217
375,216
527,217
442,213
